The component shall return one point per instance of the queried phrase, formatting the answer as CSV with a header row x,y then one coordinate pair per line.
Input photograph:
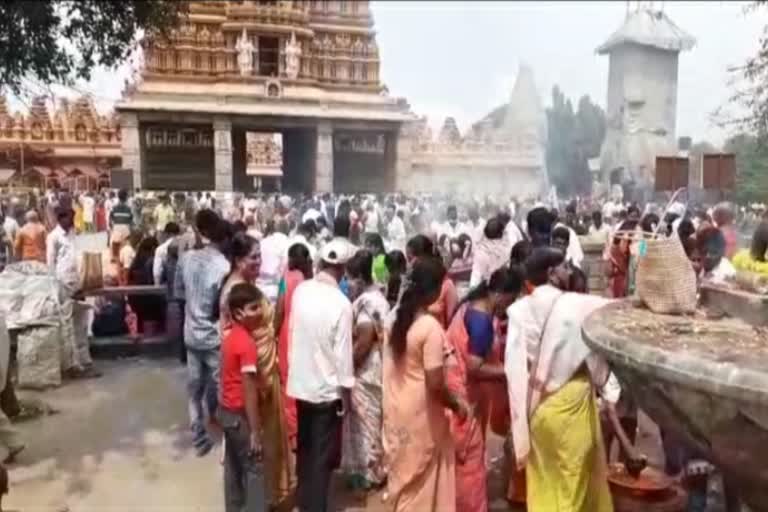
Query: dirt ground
x,y
121,443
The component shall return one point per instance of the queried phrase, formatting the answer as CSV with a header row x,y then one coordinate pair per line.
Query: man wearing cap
x,y
320,373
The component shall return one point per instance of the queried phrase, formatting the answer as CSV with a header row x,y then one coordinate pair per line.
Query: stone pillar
x,y
403,158
222,157
130,145
324,158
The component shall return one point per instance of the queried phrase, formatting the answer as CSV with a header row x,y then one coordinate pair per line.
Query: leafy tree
x,y
58,41
750,91
573,138
751,167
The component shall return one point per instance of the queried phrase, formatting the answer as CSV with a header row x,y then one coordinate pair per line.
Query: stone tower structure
x,y
641,107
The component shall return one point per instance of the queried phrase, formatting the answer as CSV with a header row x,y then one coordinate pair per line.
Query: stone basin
x,y
703,380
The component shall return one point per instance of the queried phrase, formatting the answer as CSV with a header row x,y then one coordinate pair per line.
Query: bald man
x,y
30,239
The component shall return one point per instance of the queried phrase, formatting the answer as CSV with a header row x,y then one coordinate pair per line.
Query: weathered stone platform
x,y
705,381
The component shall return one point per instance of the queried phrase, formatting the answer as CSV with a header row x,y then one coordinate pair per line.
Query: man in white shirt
x,y
274,250
89,211
320,373
371,219
312,213
395,229
572,248
11,229
451,228
302,236
62,265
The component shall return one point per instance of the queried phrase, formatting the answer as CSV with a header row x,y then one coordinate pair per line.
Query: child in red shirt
x,y
238,415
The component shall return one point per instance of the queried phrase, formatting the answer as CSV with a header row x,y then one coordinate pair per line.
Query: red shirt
x,y
238,356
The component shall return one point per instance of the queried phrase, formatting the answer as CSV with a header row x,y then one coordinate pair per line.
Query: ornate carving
x,y
273,89
79,123
244,49
202,46
262,150
449,134
292,57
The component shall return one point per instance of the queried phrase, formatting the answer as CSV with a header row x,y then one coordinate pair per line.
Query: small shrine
x,y
69,145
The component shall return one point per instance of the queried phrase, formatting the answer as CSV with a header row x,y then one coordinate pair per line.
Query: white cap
x,y
336,252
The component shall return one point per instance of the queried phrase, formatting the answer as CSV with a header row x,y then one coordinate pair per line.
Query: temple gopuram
x,y
307,70
72,146
504,151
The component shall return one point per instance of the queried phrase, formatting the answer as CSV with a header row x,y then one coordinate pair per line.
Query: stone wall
x,y
594,266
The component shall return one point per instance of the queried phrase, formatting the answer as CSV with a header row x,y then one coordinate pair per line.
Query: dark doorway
x,y
360,161
299,150
269,56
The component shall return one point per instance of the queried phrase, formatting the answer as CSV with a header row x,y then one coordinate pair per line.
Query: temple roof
x,y
649,28
524,109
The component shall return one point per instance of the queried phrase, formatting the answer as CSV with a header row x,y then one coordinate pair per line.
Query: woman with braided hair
x,y
418,446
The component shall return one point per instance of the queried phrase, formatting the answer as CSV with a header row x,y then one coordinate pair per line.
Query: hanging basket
x,y
666,281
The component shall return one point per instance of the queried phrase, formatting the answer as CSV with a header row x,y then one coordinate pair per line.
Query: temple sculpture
x,y
308,70
641,107
505,150
244,49
70,145
264,158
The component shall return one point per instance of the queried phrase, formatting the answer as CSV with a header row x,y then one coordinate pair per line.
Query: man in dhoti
x,y
62,264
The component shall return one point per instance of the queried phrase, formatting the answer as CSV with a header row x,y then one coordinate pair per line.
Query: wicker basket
x,y
666,281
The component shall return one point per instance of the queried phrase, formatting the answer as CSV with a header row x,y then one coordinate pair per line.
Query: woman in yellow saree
x,y
552,376
246,260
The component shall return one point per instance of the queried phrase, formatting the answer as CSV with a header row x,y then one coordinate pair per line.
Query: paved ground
x,y
120,443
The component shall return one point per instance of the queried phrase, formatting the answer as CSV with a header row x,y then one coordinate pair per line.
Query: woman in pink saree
x,y
299,269
478,372
418,446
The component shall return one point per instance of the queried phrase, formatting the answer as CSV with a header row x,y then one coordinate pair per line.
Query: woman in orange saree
x,y
478,370
418,446
299,269
246,261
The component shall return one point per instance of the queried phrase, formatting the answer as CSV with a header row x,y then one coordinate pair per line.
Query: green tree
x,y
59,41
751,167
573,138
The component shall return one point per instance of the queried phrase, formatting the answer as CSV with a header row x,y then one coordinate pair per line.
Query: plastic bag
x,y
39,357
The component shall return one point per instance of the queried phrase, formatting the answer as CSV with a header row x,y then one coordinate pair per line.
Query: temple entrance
x,y
272,161
299,150
177,154
361,161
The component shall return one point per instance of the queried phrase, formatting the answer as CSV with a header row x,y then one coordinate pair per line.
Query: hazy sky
x,y
460,59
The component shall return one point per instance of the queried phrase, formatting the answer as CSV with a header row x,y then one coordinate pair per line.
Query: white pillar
x,y
130,145
324,158
222,158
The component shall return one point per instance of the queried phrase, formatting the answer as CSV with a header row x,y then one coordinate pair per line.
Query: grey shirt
x,y
199,277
